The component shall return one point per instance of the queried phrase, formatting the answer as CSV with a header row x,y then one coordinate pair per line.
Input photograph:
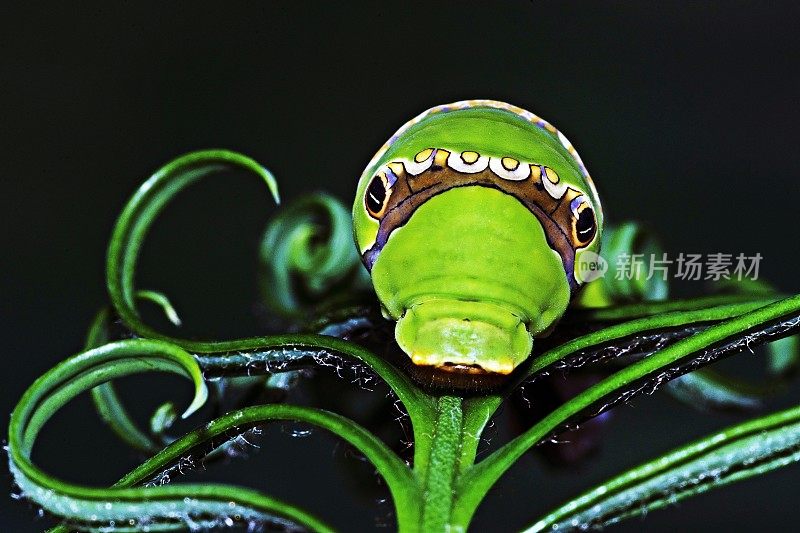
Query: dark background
x,y
686,116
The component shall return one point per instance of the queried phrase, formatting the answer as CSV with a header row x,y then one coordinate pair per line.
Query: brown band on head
x,y
410,192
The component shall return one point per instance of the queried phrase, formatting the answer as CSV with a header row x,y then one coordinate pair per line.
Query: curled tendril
x,y
307,258
145,205
104,396
153,507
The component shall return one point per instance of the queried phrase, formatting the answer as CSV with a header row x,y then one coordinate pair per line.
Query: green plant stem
x,y
478,411
439,473
446,448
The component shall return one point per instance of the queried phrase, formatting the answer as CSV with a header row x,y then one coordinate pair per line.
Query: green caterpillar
x,y
470,220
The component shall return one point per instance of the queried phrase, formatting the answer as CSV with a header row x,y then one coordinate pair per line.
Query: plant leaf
x,y
707,390
734,454
643,376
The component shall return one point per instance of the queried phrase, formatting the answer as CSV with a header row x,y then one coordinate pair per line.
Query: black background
x,y
686,115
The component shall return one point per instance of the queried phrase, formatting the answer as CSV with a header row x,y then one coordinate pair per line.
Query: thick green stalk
x,y
438,475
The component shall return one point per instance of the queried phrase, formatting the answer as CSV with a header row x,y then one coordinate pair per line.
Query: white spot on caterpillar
x,y
467,163
421,162
552,183
510,169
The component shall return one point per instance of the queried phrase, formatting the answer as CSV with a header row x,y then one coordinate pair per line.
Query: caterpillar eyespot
x,y
585,226
377,196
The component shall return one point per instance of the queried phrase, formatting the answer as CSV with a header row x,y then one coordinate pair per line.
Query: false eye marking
x,y
422,162
468,162
378,192
584,226
509,168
